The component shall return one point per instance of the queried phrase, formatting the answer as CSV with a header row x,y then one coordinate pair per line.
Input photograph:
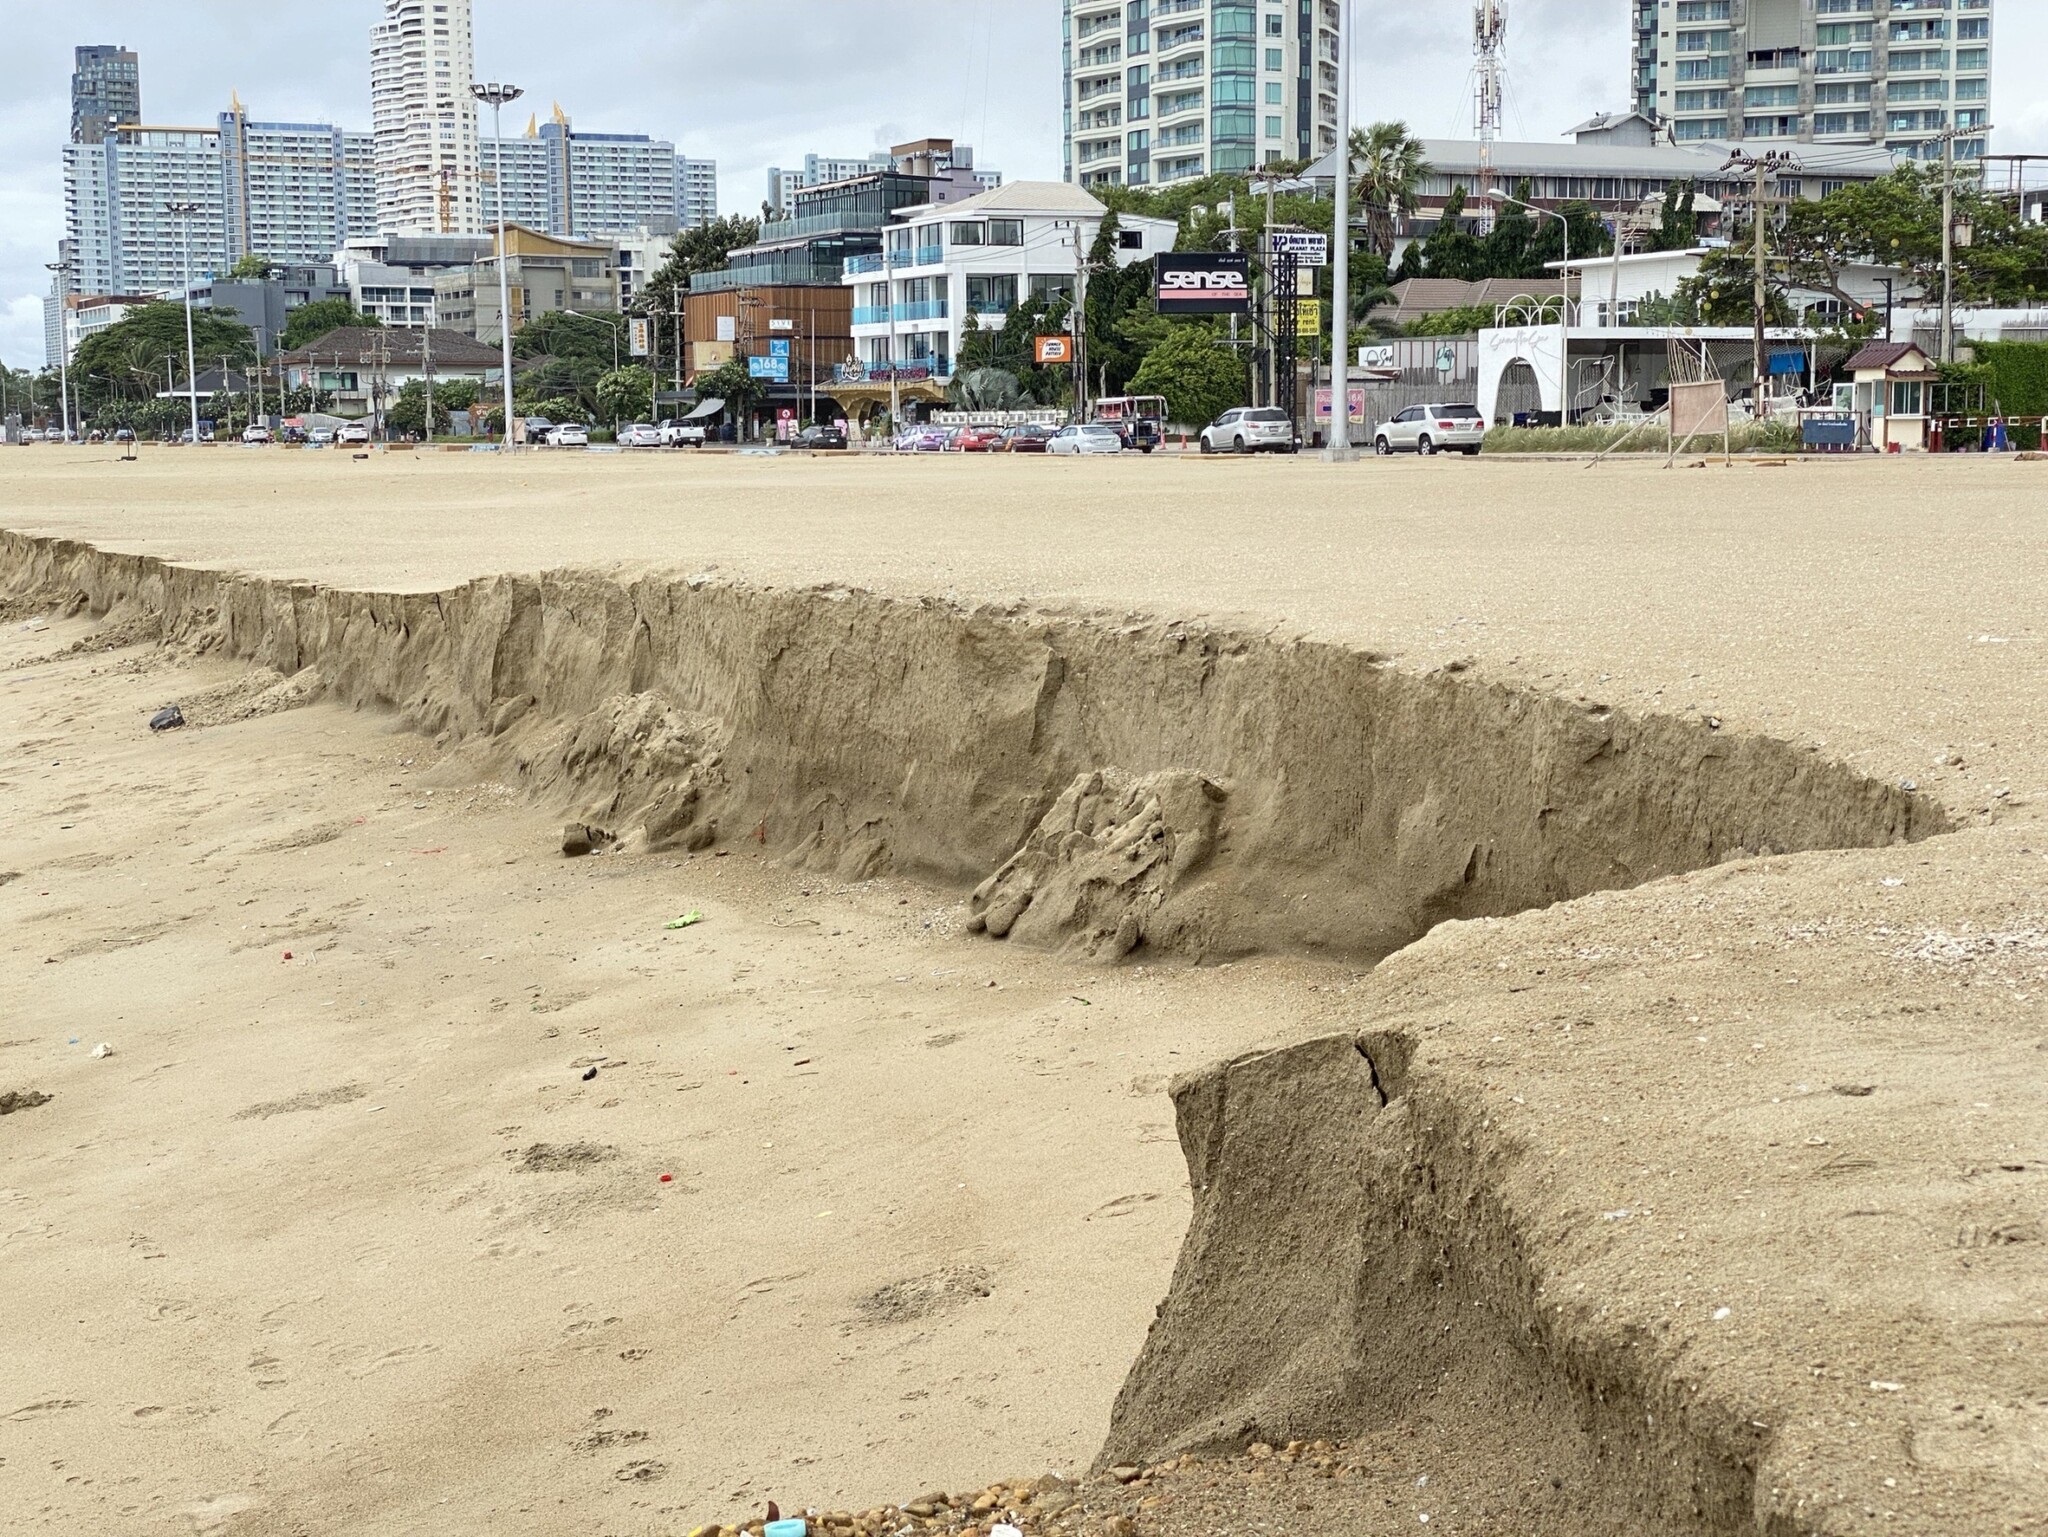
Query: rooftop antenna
x,y
1490,43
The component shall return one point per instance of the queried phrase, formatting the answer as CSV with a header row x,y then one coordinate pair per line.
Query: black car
x,y
819,437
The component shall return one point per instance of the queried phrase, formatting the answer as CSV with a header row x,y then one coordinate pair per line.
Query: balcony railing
x,y
927,309
871,314
856,265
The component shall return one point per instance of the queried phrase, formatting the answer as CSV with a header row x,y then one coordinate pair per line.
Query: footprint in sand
x,y
1122,1206
396,1357
47,1407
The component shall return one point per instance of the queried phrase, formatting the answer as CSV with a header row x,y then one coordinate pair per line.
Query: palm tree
x,y
1388,162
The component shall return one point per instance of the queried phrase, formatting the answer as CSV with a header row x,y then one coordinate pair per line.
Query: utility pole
x,y
1765,168
1340,258
427,366
1949,232
1080,326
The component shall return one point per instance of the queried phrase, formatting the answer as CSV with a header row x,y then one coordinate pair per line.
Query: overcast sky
x,y
753,83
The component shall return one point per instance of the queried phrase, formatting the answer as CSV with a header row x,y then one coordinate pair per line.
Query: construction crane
x,y
1490,43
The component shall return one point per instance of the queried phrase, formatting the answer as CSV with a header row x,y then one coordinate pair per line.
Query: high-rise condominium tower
x,y
1165,90
421,64
106,91
1890,72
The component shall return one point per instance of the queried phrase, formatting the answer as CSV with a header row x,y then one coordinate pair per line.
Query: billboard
x,y
1202,283
1054,349
639,347
774,369
1311,250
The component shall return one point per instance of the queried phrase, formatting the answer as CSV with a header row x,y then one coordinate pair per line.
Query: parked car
x,y
124,434
569,435
1432,429
681,434
638,435
183,437
1030,438
354,435
1086,438
256,432
1250,430
921,440
978,440
320,437
538,428
820,436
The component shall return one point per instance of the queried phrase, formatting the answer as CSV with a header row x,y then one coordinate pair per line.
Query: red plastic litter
x,y
287,955
666,1178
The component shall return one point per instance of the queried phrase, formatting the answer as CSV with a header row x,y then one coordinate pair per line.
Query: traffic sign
x,y
778,347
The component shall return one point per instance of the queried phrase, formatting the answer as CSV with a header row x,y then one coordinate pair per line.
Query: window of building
x,y
1006,232
967,232
991,293
1276,26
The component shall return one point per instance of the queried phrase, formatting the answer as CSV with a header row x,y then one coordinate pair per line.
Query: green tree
x,y
1678,225
1200,378
700,248
733,384
626,394
144,352
252,267
309,322
1723,292
1389,167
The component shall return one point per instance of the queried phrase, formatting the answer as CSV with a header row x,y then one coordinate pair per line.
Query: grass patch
x,y
1774,437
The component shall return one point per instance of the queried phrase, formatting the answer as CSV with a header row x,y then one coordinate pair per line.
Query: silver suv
x,y
1250,430
1432,429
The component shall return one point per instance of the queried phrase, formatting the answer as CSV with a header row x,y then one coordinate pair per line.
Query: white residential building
x,y
944,269
1159,91
295,192
696,191
1890,72
421,66
583,186
120,236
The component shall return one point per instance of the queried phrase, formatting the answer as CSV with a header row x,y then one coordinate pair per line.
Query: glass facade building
x,y
1159,91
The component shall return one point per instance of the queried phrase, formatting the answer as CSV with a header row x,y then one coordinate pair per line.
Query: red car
x,y
978,440
1028,439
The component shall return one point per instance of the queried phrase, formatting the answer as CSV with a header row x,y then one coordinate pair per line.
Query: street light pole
x,y
497,95
62,269
1497,196
185,212
1340,258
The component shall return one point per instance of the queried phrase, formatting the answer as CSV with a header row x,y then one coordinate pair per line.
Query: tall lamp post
x,y
496,95
1340,258
62,270
184,213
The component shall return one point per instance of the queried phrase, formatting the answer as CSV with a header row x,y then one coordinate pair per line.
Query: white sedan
x,y
569,435
640,435
1086,438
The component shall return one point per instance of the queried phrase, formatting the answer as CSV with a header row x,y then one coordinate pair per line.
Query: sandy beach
x,y
1732,1115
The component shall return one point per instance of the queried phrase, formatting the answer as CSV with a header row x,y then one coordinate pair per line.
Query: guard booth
x,y
1894,386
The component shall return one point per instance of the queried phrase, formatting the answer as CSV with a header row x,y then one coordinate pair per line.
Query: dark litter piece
x,y
169,718
589,1073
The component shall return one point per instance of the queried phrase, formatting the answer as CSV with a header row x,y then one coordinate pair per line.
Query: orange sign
x,y
1055,349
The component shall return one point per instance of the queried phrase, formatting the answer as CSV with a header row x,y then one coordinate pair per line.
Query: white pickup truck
x,y
681,434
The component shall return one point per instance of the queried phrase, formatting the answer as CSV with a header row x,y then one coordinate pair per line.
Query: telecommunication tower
x,y
1490,43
